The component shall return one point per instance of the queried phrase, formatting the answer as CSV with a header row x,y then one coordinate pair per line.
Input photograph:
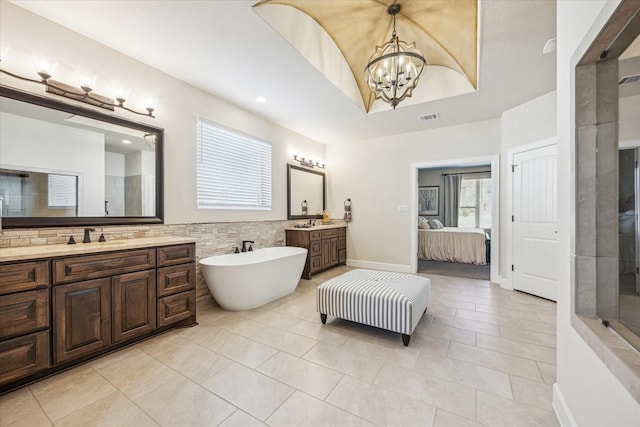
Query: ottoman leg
x,y
323,318
405,339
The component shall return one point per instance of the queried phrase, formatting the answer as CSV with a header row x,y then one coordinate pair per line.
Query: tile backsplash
x,y
211,238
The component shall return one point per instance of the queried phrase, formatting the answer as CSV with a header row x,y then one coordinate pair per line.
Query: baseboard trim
x,y
562,409
400,268
505,283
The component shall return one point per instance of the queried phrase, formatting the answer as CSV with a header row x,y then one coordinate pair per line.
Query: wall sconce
x,y
304,161
45,69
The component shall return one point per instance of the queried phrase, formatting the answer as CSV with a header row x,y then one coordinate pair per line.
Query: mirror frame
x,y
324,190
39,222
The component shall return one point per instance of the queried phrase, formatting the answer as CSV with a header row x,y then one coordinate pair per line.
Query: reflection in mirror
x,y
629,188
67,165
305,193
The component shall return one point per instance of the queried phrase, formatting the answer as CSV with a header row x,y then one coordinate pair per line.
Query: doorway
x,y
488,171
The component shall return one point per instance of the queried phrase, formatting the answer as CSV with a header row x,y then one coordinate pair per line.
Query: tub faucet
x,y
244,245
87,236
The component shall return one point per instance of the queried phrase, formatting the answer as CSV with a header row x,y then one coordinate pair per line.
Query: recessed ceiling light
x,y
261,100
126,141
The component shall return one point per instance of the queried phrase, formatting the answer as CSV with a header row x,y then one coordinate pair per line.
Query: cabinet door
x,y
82,318
334,251
329,252
134,304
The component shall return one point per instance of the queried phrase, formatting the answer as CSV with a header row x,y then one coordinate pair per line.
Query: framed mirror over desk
x,y
65,165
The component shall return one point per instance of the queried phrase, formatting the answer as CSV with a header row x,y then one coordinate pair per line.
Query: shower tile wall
x,y
133,195
114,194
26,196
211,238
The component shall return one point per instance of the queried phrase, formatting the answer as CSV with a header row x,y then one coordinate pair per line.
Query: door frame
x,y
507,280
494,161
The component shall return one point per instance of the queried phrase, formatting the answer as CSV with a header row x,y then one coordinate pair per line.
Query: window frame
x,y
231,184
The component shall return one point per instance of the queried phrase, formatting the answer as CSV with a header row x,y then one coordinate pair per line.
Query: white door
x,y
535,222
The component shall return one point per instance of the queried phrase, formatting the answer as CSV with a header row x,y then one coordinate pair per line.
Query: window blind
x,y
62,191
233,169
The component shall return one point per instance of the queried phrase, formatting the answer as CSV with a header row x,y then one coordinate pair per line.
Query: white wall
x,y
586,393
177,108
39,146
377,175
527,123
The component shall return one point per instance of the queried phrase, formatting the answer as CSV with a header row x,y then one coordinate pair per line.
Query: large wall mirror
x,y
64,165
305,193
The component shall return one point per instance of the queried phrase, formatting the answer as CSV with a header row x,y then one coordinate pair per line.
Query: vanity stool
x,y
386,300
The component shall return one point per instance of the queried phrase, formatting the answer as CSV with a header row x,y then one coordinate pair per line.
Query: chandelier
x,y
393,70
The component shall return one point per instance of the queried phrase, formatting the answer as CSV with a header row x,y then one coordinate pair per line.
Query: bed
x,y
452,244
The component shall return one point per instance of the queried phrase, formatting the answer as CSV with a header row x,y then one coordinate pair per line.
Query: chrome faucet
x,y
244,245
87,236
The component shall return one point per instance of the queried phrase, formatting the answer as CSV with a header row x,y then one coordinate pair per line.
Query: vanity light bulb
x,y
45,67
4,50
88,83
122,94
151,105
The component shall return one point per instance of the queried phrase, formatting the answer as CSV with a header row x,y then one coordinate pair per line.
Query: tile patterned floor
x,y
480,356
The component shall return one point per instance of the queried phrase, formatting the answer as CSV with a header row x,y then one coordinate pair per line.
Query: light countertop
x,y
24,253
317,227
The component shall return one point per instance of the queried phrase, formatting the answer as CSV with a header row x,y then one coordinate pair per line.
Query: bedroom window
x,y
233,169
475,203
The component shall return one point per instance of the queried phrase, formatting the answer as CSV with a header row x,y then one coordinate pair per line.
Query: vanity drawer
x,y
342,231
24,312
172,255
94,266
178,278
175,308
23,276
315,235
315,248
315,263
333,232
24,356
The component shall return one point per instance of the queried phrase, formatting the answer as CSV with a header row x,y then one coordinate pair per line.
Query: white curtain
x,y
452,185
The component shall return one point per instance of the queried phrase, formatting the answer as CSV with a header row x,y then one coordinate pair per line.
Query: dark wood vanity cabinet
x,y
326,247
61,311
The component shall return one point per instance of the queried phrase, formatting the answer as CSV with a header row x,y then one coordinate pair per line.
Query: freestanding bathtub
x,y
250,279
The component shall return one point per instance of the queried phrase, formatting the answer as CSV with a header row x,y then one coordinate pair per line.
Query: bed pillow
x,y
423,223
435,224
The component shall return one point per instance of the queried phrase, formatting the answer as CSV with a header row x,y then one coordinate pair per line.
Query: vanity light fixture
x,y
304,161
45,69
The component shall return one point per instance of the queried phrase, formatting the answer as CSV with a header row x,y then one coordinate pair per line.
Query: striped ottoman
x,y
391,301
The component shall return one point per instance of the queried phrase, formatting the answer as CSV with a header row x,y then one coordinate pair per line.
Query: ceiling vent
x,y
629,79
431,116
